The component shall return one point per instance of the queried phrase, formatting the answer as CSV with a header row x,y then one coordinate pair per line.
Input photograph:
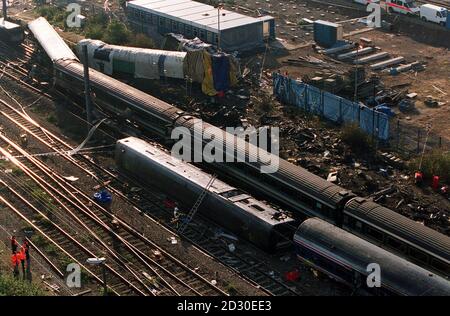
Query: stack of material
x,y
357,73
327,81
386,63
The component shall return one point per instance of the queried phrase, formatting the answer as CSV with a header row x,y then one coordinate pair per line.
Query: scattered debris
x,y
332,177
386,63
172,240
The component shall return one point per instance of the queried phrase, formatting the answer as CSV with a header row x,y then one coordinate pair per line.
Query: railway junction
x,y
117,206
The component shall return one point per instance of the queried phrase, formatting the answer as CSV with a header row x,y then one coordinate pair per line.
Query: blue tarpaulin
x,y
103,197
221,71
330,106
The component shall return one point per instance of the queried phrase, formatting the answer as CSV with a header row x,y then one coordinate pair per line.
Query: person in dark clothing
x,y
26,246
14,244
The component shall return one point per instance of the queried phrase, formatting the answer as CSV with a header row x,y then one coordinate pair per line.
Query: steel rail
x,y
69,189
267,282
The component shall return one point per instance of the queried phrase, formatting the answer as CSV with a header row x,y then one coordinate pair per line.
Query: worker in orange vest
x,y
15,261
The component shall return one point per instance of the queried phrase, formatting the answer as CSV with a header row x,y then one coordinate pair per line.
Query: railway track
x,y
127,257
200,234
445,4
150,204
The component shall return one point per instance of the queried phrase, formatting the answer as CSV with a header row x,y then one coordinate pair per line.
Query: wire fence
x,y
330,106
410,140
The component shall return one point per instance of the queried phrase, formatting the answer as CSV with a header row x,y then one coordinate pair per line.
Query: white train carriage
x,y
233,209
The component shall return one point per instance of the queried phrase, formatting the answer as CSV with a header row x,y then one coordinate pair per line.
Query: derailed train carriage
x,y
291,186
360,264
231,208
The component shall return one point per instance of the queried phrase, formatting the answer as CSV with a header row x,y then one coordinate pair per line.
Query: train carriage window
x,y
358,226
346,221
229,194
188,30
441,266
374,233
202,34
257,207
395,244
418,255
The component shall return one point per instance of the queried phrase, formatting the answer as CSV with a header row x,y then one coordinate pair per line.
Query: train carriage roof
x,y
122,91
290,174
401,226
49,39
198,177
351,251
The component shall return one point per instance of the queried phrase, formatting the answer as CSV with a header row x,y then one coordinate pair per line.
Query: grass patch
x,y
434,163
231,289
51,118
17,287
99,26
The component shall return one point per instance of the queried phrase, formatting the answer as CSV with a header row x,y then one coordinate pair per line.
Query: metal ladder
x,y
197,204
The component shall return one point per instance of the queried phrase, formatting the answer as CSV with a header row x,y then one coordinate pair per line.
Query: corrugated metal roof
x,y
401,226
51,42
397,273
194,13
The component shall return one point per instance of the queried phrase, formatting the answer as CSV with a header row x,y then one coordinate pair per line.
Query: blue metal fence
x,y
330,106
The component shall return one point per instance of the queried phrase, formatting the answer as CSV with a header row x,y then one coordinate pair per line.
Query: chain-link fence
x,y
412,140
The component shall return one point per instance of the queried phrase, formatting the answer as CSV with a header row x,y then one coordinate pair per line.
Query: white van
x,y
433,13
408,7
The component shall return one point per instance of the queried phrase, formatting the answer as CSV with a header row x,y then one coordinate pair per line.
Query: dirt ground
x,y
434,80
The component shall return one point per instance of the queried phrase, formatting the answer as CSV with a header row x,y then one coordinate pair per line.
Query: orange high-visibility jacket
x,y
15,259
21,254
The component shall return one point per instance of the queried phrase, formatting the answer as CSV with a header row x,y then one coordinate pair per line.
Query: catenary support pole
x,y
87,90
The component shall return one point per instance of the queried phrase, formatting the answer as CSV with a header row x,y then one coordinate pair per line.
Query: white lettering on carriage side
x,y
374,278
236,145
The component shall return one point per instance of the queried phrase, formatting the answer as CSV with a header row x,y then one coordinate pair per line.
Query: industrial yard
x,y
92,191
